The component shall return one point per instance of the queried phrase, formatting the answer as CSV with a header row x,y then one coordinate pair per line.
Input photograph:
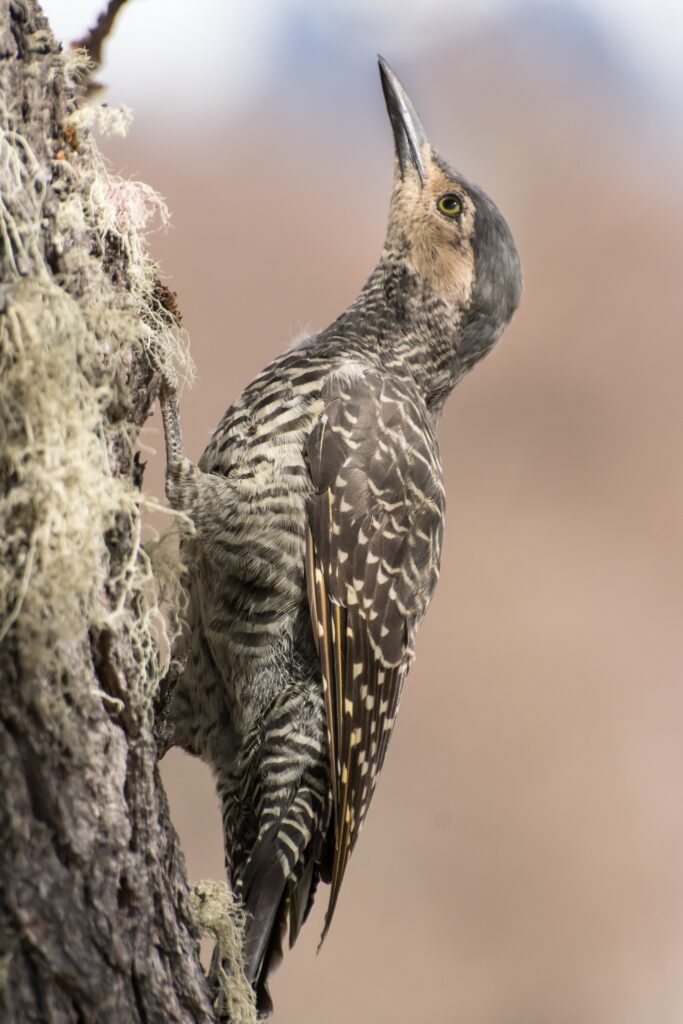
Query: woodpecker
x,y
318,511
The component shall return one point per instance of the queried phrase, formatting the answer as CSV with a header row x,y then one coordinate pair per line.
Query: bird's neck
x,y
406,328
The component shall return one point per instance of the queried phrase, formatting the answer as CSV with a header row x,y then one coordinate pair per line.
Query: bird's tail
x,y
278,884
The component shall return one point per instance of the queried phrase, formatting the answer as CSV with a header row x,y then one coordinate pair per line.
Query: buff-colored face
x,y
432,222
447,230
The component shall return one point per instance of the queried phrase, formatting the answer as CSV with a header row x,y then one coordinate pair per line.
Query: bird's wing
x,y
374,541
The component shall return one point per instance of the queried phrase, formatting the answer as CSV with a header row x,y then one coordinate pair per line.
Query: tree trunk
x,y
96,920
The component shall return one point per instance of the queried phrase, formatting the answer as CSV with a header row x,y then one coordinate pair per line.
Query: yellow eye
x,y
449,204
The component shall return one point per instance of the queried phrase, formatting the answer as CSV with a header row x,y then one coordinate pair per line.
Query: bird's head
x,y
454,246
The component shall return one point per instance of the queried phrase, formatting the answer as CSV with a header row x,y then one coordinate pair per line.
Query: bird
x,y
317,514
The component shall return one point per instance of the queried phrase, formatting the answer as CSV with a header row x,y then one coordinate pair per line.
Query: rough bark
x,y
96,921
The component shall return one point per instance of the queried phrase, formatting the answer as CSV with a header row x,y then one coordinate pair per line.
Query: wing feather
x,y
373,548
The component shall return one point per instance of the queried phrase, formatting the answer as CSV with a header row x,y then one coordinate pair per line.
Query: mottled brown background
x,y
523,859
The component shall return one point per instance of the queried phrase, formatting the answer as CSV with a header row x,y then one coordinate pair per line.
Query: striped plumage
x,y
318,511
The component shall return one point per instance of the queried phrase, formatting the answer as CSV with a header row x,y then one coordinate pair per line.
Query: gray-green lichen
x,y
83,327
221,917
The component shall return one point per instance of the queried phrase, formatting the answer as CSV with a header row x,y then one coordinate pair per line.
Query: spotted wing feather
x,y
374,541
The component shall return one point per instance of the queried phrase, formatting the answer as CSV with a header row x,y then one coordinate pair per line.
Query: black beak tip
x,y
387,77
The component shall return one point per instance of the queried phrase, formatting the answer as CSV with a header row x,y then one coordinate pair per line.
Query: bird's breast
x,y
254,584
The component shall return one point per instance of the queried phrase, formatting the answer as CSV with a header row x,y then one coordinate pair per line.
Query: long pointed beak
x,y
409,135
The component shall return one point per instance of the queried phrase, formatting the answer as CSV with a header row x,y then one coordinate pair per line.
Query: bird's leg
x,y
178,468
180,472
168,399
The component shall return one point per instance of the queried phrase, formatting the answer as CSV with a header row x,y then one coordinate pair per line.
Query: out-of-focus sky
x,y
228,50
522,860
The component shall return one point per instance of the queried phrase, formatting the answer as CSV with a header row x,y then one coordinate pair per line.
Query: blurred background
x,y
523,859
